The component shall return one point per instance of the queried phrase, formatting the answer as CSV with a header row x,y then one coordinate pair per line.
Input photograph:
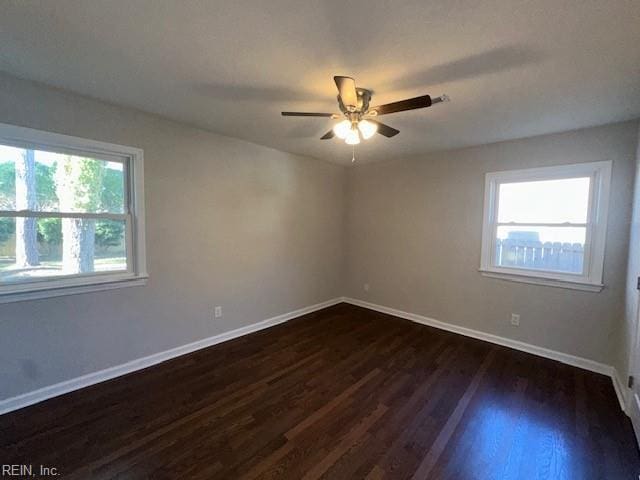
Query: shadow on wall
x,y
391,80
485,63
273,99
492,61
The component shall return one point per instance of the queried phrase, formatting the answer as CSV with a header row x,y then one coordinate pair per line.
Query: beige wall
x,y
229,223
627,330
414,234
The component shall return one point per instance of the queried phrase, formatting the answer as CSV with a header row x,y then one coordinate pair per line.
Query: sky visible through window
x,y
547,201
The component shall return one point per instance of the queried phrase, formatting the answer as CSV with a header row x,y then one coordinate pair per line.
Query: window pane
x,y
559,249
53,182
39,248
548,201
8,177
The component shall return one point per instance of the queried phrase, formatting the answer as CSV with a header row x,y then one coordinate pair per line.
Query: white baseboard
x,y
633,410
621,390
573,360
36,396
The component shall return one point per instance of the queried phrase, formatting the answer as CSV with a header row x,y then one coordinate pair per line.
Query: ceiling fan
x,y
359,117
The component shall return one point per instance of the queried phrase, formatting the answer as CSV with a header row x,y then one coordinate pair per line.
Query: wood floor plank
x,y
443,437
343,393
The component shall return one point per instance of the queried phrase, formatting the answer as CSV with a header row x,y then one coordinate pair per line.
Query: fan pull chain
x,y
353,154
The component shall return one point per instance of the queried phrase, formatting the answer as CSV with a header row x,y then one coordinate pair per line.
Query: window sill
x,y
539,280
90,285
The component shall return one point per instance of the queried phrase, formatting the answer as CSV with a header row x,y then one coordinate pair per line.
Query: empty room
x,y
320,239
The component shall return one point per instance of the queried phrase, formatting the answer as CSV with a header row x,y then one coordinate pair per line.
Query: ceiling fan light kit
x,y
358,122
353,137
342,129
367,129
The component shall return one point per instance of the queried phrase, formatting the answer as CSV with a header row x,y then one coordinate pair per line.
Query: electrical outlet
x,y
366,287
217,312
515,319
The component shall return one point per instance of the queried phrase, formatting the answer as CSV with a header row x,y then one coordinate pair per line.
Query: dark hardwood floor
x,y
344,393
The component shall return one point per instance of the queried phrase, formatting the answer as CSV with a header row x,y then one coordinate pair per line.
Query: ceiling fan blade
x,y
403,105
328,135
306,114
347,90
385,130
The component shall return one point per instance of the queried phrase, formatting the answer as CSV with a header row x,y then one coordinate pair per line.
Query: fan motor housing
x,y
364,97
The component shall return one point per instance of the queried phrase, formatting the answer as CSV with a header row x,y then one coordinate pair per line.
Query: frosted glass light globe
x,y
353,137
342,129
367,129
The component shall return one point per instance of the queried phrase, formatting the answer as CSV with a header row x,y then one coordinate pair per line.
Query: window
x,y
71,215
547,225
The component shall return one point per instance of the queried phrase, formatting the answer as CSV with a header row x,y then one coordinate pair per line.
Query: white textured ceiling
x,y
512,68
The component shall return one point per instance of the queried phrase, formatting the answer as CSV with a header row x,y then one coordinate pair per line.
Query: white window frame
x,y
133,159
596,226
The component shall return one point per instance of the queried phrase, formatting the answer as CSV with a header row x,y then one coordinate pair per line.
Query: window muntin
x,y
70,212
547,222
